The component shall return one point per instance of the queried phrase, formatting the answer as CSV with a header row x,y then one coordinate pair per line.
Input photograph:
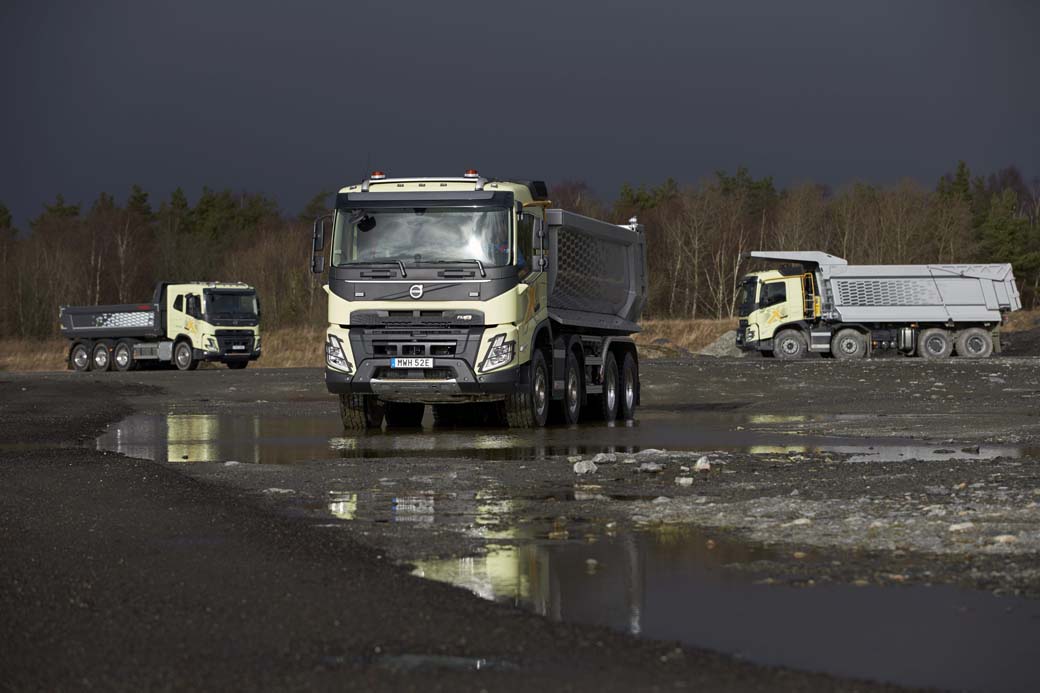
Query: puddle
x,y
670,585
290,439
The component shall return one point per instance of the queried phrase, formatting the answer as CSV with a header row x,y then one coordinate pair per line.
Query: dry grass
x,y
32,354
1022,320
691,335
304,346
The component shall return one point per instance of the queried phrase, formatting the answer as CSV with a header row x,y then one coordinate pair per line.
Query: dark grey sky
x,y
289,98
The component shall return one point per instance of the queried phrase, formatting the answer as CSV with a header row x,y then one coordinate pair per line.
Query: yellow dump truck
x,y
185,323
816,302
477,297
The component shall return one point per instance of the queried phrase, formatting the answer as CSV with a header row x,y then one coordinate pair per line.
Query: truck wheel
x,y
629,388
789,345
101,358
934,343
360,412
80,358
974,343
404,414
529,408
573,389
237,365
849,344
606,406
123,356
183,357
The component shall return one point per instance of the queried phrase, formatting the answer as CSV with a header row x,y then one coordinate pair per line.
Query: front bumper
x,y
226,357
459,384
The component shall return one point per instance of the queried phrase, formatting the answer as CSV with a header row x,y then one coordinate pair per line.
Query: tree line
x,y
697,237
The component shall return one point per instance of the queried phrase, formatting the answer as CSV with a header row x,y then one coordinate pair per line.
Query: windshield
x,y
227,304
747,296
422,234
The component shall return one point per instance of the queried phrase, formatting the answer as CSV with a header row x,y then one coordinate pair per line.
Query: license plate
x,y
238,347
411,363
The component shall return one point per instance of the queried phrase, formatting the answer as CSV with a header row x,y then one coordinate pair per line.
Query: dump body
x,y
597,272
185,323
140,320
448,291
933,310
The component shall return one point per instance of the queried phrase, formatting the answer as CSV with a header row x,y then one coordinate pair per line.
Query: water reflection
x,y
673,584
290,439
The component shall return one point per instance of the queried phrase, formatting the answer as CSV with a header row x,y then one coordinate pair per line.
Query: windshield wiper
x,y
382,262
480,265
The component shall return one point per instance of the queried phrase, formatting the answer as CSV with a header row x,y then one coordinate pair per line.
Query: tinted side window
x,y
178,303
525,244
773,293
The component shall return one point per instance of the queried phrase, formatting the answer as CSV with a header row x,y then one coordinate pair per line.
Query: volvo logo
x,y
415,291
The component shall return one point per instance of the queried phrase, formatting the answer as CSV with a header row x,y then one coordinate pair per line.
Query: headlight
x,y
256,343
750,334
499,353
334,354
211,344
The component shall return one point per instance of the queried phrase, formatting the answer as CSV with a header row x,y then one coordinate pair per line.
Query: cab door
x,y
779,302
179,320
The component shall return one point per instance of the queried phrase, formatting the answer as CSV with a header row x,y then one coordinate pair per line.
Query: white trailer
x,y
819,302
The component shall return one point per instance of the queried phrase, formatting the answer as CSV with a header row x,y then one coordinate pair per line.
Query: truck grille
x,y
234,342
413,349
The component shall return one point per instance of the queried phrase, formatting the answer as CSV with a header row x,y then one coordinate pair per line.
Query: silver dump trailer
x,y
819,302
454,291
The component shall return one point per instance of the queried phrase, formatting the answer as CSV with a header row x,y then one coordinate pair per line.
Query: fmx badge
x,y
416,291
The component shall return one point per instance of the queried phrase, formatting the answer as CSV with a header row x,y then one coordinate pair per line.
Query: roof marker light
x,y
377,175
471,173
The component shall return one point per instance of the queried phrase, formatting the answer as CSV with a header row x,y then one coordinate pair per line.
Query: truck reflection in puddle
x,y
682,585
293,439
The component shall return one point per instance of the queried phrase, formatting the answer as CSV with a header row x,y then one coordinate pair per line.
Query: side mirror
x,y
318,244
318,237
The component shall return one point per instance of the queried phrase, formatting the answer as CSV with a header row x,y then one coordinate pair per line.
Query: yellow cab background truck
x,y
820,303
186,323
475,296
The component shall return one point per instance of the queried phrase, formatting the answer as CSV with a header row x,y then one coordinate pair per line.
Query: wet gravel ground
x,y
889,472
123,574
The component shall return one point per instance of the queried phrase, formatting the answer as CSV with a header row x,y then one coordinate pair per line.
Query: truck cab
x,y
212,321
771,301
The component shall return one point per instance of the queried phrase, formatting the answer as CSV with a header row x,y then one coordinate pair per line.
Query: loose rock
x,y
585,467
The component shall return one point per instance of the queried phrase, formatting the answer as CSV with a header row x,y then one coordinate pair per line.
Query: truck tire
x,y
934,343
606,405
404,414
629,388
789,345
183,356
80,358
360,412
573,389
974,343
237,365
123,356
101,357
529,408
849,344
